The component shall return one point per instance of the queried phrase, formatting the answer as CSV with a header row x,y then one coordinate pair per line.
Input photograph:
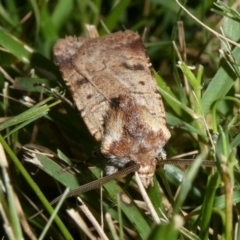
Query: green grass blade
x,y
34,187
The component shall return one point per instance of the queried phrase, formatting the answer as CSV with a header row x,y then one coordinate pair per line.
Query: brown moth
x,y
114,89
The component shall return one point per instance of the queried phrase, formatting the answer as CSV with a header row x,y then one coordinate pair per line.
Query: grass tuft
x,y
197,71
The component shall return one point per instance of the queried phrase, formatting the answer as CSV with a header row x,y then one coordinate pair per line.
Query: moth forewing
x,y
114,89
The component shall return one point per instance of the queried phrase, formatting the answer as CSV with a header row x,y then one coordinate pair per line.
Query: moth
x,y
112,83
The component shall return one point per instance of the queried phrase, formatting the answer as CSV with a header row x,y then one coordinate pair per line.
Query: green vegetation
x,y
202,105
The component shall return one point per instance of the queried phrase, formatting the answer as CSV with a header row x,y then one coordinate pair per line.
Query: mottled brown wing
x,y
98,70
89,102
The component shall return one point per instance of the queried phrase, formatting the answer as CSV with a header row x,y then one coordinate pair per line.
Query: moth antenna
x,y
56,93
206,163
95,184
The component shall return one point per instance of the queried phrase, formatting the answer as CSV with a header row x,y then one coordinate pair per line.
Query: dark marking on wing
x,y
135,67
89,96
81,82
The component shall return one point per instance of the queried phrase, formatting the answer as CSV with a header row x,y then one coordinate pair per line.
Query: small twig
x,y
208,28
146,199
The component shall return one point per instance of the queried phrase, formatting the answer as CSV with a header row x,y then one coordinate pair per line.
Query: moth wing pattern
x,y
117,59
87,100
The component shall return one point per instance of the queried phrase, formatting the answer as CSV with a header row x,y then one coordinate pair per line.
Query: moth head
x,y
146,171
